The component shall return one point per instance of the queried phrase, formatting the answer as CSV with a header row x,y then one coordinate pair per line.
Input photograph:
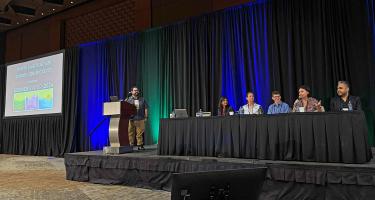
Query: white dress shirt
x,y
255,109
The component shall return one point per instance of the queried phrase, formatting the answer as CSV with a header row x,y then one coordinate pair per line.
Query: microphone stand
x,y
93,131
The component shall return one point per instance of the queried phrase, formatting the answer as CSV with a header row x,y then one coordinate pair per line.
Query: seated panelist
x,y
251,107
305,103
344,101
224,108
278,106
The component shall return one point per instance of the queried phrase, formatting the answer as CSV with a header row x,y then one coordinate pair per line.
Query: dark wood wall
x,y
2,48
91,21
101,19
169,11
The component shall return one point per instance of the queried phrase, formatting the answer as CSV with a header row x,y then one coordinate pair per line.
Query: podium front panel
x,y
112,108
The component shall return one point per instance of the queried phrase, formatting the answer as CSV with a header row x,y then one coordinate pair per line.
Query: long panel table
x,y
317,137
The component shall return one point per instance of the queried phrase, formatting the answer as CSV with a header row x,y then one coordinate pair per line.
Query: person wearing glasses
x,y
278,106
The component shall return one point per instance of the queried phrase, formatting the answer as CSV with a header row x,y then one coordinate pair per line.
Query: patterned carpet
x,y
31,177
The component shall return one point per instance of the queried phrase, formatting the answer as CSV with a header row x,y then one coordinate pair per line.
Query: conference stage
x,y
284,180
337,166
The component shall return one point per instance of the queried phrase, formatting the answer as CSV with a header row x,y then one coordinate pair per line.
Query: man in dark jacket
x,y
137,122
344,101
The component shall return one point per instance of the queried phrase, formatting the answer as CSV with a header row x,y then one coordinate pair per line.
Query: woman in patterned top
x,y
305,103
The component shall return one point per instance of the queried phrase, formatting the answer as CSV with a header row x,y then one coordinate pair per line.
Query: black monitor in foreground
x,y
239,184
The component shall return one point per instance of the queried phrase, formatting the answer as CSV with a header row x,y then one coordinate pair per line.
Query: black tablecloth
x,y
318,137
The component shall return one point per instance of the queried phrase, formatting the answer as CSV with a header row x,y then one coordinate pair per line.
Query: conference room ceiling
x,y
14,13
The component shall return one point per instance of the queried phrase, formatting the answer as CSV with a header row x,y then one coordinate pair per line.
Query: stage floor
x,y
148,170
151,153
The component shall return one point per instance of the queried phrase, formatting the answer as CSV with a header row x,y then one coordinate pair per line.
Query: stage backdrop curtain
x,y
370,5
319,43
107,68
154,80
243,32
259,47
180,67
43,135
93,90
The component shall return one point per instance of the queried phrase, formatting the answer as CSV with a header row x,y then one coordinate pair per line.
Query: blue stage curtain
x,y
124,62
245,54
93,92
107,68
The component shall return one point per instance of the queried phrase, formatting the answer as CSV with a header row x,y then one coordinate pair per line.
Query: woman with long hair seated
x,y
224,108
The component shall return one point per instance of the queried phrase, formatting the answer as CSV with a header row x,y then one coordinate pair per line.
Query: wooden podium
x,y
120,113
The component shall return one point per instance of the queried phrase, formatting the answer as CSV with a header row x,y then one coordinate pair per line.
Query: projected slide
x,y
34,87
33,100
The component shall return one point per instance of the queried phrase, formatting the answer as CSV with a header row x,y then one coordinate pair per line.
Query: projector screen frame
x,y
62,85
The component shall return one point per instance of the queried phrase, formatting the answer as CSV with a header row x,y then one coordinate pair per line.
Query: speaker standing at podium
x,y
137,122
